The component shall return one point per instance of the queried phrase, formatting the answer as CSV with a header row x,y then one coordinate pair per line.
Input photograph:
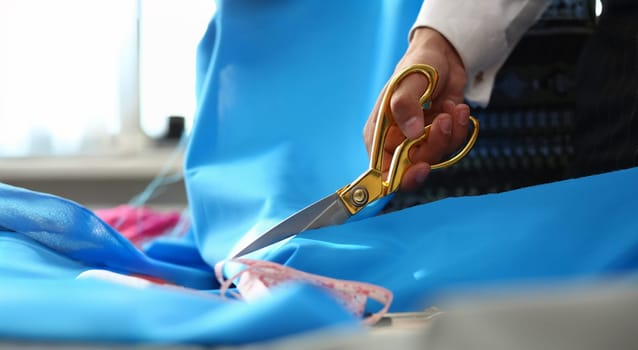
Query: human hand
x,y
447,114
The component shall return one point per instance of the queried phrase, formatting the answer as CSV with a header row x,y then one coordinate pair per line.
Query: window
x,y
170,32
81,77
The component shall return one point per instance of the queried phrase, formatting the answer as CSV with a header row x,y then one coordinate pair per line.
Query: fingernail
x,y
412,129
463,118
446,125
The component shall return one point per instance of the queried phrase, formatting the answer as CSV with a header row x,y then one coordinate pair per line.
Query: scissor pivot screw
x,y
359,197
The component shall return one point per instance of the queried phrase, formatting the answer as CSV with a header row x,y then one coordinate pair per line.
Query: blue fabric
x,y
23,257
97,311
76,233
47,241
301,141
284,88
571,230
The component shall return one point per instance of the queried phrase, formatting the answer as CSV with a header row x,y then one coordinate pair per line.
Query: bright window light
x,y
60,69
77,77
170,32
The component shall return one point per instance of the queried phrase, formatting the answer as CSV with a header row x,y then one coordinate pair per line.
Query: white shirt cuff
x,y
484,32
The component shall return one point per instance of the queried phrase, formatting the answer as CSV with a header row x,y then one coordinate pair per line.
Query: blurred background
x,y
96,94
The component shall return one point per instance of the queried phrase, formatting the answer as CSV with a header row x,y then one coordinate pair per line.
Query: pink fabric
x,y
139,224
259,277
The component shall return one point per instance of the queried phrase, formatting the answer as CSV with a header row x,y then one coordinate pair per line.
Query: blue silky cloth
x,y
47,241
288,130
47,221
566,231
90,311
284,89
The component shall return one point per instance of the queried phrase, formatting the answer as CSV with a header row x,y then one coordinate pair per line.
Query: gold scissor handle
x,y
370,185
401,160
385,119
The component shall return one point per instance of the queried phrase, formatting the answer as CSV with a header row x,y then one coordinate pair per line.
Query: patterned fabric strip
x,y
258,278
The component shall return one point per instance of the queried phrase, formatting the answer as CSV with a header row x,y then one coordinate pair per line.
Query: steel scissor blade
x,y
327,211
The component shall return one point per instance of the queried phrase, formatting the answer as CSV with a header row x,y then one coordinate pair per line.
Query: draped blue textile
x,y
284,88
570,230
78,234
47,241
301,141
92,311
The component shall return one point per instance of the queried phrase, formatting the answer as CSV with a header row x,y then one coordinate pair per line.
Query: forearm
x,y
483,32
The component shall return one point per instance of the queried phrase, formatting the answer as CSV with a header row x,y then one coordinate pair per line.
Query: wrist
x,y
427,39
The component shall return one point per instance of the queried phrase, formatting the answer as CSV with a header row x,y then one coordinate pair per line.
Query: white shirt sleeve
x,y
484,33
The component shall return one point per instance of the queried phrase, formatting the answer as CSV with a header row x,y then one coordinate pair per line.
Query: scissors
x,y
347,201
